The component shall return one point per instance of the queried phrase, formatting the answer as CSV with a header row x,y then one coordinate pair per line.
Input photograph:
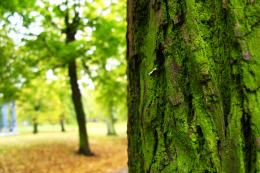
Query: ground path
x,y
55,153
124,170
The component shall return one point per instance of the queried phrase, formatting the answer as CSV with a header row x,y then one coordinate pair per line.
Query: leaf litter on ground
x,y
56,153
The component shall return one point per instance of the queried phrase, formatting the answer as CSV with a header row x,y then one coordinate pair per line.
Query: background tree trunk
x,y
62,125
81,120
193,93
71,30
35,127
111,131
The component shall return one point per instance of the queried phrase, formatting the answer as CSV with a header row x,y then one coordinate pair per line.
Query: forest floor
x,y
55,152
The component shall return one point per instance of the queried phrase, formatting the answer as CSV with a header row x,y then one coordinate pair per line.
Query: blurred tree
x,y
61,49
73,30
14,70
109,58
55,34
39,102
111,86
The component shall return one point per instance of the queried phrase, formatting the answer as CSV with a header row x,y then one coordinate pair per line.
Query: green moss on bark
x,y
196,105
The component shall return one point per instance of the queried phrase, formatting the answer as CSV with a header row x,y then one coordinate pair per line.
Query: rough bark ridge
x,y
193,92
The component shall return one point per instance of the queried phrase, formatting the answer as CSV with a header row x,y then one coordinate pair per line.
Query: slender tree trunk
x,y
35,127
193,92
111,131
71,30
62,125
13,117
81,120
5,118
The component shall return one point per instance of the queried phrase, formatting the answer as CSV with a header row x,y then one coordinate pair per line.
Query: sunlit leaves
x,y
15,5
43,100
99,47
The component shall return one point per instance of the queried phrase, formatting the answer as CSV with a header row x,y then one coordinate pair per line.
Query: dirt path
x,y
55,153
125,170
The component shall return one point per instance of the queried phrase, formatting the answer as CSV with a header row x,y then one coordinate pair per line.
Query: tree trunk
x,y
193,71
81,120
5,119
62,125
71,30
35,127
111,131
13,117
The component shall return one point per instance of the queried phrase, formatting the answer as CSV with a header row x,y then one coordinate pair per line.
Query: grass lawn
x,y
54,152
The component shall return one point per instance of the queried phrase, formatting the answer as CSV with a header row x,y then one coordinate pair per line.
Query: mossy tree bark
x,y
193,93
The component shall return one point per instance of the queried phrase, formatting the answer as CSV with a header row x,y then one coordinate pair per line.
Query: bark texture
x,y
193,92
